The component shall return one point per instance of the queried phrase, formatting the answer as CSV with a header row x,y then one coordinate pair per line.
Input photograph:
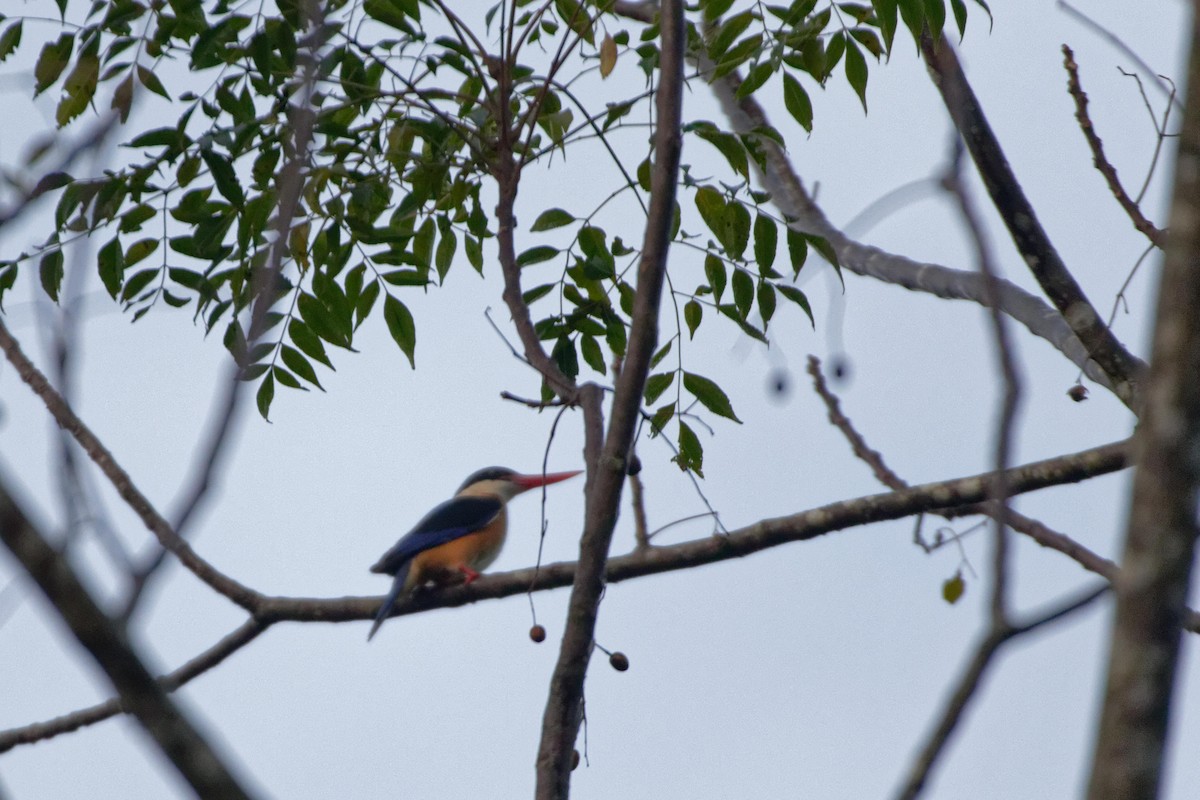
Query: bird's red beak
x,y
527,482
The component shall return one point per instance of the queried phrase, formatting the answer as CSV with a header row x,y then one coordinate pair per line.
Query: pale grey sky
x,y
812,670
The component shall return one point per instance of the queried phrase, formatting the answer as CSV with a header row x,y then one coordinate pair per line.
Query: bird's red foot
x,y
471,574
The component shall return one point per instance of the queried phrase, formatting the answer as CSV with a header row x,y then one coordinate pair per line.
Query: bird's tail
x,y
393,595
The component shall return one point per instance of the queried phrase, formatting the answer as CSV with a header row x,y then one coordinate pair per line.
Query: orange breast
x,y
475,550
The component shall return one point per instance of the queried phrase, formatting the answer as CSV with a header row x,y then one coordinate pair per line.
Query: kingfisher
x,y
462,535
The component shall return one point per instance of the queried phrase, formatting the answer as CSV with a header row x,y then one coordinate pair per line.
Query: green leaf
x,y
224,177
139,281
298,364
822,246
661,417
393,13
10,39
657,358
960,17
592,353
266,393
714,271
755,78
711,205
737,235
766,241
693,312
797,297
112,266
308,342
856,69
730,147
727,32
78,88
132,219
797,250
656,385
766,302
536,255
400,324
576,17
691,453
151,82
50,270
474,253
743,292
797,102
53,60
422,244
550,219
954,588
710,395
885,12
287,379
537,292
935,16
139,250
565,356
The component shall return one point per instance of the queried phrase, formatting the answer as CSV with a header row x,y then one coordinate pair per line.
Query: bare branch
x,y
788,193
141,505
1027,233
966,492
1147,228
606,473
205,661
969,682
106,642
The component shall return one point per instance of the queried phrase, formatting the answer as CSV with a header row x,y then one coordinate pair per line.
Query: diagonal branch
x,y
789,195
1144,226
141,505
106,642
40,731
1031,240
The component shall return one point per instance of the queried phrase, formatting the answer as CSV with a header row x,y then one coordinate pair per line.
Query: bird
x,y
462,535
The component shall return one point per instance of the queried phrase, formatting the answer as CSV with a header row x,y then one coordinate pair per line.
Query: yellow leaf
x,y
608,56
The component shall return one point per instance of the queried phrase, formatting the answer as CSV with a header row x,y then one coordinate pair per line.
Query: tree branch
x,y
106,642
788,194
1030,238
1144,226
642,562
606,475
141,505
205,661
1160,543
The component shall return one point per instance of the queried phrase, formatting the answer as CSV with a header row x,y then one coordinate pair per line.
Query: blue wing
x,y
452,519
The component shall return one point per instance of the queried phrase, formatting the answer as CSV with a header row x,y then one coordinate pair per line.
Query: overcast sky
x,y
811,670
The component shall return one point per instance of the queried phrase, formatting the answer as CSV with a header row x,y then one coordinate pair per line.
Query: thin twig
x,y
1147,228
1117,42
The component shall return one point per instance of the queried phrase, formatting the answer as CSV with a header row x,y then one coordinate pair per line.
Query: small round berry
x,y
1078,393
537,633
619,661
574,759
